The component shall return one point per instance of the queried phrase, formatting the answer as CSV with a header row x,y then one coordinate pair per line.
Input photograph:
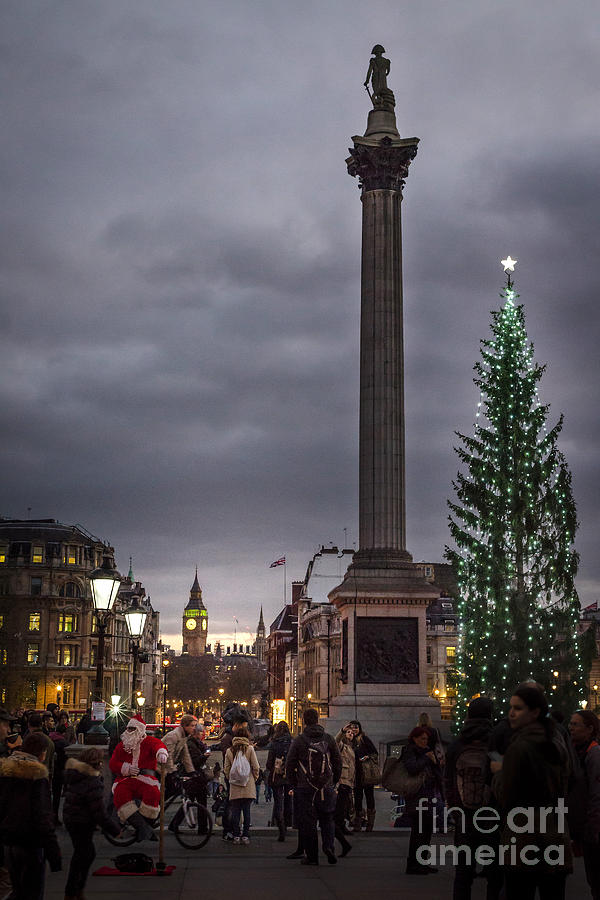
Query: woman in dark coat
x,y
420,760
26,819
83,810
533,774
364,748
275,766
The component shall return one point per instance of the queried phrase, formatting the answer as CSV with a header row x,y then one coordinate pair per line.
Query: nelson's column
x,y
382,599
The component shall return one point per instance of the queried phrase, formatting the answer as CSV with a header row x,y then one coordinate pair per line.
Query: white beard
x,y
132,740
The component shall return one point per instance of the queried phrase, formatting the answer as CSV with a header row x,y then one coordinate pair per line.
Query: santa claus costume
x,y
134,762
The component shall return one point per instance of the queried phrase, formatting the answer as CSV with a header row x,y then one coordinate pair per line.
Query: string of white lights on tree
x,y
513,526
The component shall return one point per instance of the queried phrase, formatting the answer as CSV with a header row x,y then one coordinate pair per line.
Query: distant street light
x,y
166,662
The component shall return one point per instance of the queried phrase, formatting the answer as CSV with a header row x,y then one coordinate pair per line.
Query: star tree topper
x,y
509,264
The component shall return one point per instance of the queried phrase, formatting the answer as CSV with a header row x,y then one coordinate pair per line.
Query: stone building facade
x,y
48,630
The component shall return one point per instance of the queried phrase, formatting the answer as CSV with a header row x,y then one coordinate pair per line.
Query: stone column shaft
x,y
381,441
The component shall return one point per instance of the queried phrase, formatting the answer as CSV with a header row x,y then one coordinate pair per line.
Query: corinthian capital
x,y
383,166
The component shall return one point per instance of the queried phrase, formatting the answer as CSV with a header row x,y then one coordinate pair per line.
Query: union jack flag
x,y
278,562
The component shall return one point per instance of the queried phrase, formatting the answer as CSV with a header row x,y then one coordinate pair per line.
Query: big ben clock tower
x,y
194,626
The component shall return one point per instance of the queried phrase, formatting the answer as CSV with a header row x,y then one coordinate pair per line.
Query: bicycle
x,y
192,831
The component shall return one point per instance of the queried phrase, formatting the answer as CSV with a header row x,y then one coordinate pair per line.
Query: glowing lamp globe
x,y
105,582
135,616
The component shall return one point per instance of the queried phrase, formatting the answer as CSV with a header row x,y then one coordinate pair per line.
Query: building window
x,y
34,621
429,654
430,683
67,622
449,626
31,700
450,655
93,656
64,656
33,653
37,554
70,556
3,656
3,588
94,624
70,589
36,587
3,553
2,695
66,693
1,621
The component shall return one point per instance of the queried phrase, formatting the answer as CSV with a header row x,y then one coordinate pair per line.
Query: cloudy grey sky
x,y
180,262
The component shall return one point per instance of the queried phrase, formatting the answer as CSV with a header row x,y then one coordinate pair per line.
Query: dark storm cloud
x,y
181,267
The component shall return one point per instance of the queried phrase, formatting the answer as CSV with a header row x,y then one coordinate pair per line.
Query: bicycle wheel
x,y
125,839
195,828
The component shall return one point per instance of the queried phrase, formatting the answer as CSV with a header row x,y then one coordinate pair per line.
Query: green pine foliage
x,y
513,523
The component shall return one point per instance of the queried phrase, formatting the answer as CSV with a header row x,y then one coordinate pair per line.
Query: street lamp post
x,y
221,692
105,582
135,616
165,664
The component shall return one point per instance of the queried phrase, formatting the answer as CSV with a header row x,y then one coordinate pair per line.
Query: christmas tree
x,y
513,524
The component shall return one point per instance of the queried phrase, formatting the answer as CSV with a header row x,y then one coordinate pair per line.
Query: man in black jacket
x,y
314,796
26,818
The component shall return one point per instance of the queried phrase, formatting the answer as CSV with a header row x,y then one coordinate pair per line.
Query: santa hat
x,y
138,723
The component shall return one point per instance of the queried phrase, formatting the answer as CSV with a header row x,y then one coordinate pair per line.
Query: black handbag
x,y
134,862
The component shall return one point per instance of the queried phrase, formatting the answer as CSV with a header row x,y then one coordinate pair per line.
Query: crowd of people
x,y
521,795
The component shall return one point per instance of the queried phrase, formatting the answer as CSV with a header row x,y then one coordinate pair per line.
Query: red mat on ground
x,y
106,870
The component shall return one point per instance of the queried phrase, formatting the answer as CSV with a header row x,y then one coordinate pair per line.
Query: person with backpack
x,y
313,767
236,724
420,761
275,768
584,728
242,769
466,782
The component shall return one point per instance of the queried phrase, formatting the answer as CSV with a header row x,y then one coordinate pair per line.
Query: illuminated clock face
x,y
190,624
203,624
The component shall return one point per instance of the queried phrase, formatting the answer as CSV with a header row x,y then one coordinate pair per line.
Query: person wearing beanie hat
x,y
481,708
134,763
